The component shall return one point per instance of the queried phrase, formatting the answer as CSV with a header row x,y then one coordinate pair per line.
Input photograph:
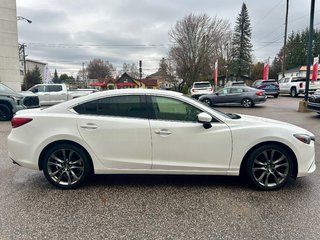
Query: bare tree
x,y
98,68
166,70
198,41
130,69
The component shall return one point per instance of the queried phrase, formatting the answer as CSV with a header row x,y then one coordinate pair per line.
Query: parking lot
x,y
163,207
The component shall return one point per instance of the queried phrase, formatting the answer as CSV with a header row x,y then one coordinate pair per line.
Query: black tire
x,y
66,166
276,95
247,102
5,113
293,92
269,167
207,101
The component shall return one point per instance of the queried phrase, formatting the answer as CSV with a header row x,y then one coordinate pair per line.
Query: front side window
x,y
224,91
37,89
174,110
119,106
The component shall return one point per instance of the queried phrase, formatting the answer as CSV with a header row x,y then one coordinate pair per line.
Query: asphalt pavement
x,y
163,207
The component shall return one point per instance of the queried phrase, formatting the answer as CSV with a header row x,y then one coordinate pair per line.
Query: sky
x,y
67,33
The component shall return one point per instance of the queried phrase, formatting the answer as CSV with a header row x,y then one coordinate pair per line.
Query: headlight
x,y
305,138
16,99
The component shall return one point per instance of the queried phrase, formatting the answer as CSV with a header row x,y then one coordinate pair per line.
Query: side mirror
x,y
206,119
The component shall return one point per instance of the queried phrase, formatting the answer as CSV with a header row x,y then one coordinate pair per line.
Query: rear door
x,y
117,130
57,93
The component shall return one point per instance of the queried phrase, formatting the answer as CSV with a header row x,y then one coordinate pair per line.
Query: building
x,y
300,71
30,65
9,50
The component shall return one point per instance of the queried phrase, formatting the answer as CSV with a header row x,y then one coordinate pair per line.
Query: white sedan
x,y
141,131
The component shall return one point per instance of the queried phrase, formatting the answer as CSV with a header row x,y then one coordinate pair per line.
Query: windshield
x,y
5,89
201,85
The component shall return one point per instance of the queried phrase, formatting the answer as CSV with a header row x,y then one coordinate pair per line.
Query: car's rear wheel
x,y
293,92
269,167
207,101
5,113
247,103
66,166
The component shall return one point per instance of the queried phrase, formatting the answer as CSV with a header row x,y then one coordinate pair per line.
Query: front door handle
x,y
89,126
165,132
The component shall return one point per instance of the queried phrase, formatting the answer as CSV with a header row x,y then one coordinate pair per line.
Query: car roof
x,y
114,92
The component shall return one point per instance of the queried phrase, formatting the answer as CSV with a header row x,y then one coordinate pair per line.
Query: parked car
x,y
235,83
201,88
235,95
314,102
11,102
270,86
145,131
296,85
51,94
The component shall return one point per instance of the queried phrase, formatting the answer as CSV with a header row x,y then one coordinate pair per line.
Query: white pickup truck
x,y
50,94
296,85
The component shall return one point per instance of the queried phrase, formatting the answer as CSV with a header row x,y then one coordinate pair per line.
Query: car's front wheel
x,y
247,103
5,113
66,166
269,167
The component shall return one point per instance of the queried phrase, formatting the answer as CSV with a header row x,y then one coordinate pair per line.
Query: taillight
x,y
210,89
260,93
17,122
301,85
192,89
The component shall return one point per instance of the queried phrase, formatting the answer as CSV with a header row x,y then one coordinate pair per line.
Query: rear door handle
x,y
165,132
89,126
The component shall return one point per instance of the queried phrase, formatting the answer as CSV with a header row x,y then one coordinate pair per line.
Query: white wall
x,y
9,53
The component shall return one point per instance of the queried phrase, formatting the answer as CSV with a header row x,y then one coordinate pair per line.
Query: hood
x,y
6,94
27,93
260,121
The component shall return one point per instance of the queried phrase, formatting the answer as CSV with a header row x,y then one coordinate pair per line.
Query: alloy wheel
x,y
247,103
270,168
65,167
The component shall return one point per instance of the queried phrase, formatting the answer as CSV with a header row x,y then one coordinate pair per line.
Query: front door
x,y
181,143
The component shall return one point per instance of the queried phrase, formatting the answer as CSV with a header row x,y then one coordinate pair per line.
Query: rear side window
x,y
54,88
120,106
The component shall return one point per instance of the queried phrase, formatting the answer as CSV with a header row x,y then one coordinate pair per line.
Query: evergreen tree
x,y
33,77
55,78
241,58
296,50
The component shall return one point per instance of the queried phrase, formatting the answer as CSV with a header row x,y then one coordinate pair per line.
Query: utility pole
x,y
306,96
285,40
22,53
140,71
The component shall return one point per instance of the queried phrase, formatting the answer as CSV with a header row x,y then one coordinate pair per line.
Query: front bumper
x,y
314,106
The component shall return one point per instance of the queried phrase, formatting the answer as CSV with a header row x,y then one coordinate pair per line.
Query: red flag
x,y
215,75
315,69
266,71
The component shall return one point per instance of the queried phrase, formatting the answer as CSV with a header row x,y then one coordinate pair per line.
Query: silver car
x,y
235,95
